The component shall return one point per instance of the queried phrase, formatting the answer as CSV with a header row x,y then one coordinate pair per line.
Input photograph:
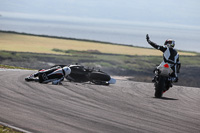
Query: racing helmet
x,y
170,43
67,70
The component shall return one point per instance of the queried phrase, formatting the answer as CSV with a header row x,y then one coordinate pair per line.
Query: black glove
x,y
147,37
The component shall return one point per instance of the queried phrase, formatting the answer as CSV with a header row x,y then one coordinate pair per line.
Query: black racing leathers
x,y
170,55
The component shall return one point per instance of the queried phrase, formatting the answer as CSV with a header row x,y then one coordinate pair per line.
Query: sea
x,y
126,33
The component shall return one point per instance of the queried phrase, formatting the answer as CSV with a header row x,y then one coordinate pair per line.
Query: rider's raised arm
x,y
161,48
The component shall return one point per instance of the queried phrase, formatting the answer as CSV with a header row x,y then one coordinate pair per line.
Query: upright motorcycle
x,y
162,80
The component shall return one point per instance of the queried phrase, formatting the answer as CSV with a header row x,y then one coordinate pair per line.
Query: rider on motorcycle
x,y
54,75
170,55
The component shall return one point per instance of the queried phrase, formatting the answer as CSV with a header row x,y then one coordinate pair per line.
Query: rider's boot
x,y
173,79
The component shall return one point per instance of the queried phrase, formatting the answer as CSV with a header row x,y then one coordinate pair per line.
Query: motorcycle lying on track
x,y
54,75
81,74
162,80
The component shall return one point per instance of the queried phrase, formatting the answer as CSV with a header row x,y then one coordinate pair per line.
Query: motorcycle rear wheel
x,y
99,78
159,87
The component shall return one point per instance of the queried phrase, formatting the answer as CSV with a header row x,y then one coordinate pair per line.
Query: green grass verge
x,y
4,129
13,67
92,59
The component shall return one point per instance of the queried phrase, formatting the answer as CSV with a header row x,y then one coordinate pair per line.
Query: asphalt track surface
x,y
125,107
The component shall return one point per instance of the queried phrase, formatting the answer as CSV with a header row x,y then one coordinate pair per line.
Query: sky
x,y
164,19
184,12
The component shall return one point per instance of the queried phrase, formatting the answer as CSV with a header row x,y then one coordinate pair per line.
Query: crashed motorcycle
x,y
54,75
163,80
81,74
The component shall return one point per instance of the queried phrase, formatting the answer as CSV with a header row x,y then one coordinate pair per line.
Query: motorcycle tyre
x,y
99,76
159,87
